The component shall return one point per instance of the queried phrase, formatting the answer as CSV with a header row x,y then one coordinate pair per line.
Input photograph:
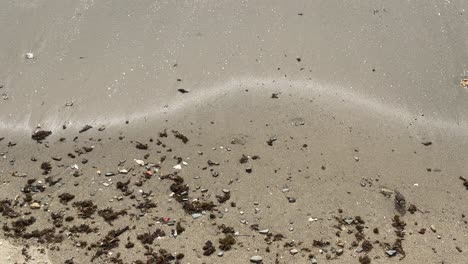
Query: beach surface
x,y
233,131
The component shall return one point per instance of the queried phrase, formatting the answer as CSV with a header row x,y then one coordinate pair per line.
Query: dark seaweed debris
x,y
65,198
148,238
110,241
110,215
364,259
85,128
227,242
198,207
465,182
180,136
399,226
40,135
141,146
46,167
412,208
6,208
400,203
85,208
223,198
208,248
271,140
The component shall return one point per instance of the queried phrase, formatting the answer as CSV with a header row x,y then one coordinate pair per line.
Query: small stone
x,y
196,215
29,55
123,171
339,251
294,251
433,229
140,162
298,121
220,254
264,231
313,260
291,199
386,192
391,252
349,221
256,259
35,206
356,158
108,174
177,167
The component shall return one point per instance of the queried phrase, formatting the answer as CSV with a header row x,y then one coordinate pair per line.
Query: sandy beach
x,y
233,132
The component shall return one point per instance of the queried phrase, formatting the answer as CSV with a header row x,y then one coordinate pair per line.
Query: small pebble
x,y
196,215
35,206
256,259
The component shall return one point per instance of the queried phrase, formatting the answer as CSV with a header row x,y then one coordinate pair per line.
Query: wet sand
x,y
303,119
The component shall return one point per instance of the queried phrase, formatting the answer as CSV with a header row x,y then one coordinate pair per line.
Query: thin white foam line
x,y
306,87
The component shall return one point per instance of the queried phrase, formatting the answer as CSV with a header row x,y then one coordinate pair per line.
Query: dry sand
x,y
337,106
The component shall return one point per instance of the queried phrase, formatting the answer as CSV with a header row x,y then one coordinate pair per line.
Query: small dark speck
x,y
300,14
298,59
373,70
427,143
179,80
182,91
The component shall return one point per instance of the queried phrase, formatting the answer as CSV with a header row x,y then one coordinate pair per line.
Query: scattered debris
x,y
85,128
400,203
41,135
180,136
465,182
208,248
426,143
271,140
